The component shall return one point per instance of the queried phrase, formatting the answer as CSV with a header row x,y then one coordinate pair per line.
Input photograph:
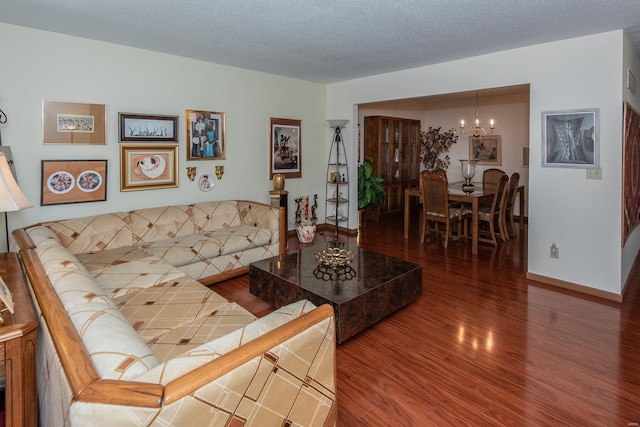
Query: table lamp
x,y
11,197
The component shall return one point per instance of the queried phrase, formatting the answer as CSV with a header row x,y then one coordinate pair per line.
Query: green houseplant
x,y
371,193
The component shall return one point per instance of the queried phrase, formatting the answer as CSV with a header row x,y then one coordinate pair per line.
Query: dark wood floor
x,y
484,346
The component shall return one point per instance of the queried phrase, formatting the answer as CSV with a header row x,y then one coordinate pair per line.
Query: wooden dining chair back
x,y
437,208
490,214
492,176
441,172
512,193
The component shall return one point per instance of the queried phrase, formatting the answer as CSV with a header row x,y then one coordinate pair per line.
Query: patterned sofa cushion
x,y
184,250
202,330
293,384
115,349
127,270
193,248
156,310
214,215
167,222
93,233
238,239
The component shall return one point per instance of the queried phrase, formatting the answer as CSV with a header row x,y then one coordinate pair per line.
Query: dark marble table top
x,y
368,271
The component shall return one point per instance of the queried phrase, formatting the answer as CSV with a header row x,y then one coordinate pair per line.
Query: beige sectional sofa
x,y
130,336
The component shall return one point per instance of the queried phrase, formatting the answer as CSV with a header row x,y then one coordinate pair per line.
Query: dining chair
x,y
492,176
437,208
512,192
441,172
490,213
437,171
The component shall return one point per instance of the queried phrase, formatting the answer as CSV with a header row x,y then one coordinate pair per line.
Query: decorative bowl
x,y
334,257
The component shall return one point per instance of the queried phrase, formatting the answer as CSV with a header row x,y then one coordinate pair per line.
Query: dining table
x,y
479,195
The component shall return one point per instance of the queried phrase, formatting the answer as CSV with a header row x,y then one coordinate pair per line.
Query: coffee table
x,y
371,288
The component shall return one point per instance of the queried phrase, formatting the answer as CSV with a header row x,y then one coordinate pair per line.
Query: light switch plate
x,y
594,173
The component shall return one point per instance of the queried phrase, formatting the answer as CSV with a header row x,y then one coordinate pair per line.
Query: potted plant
x,y
371,193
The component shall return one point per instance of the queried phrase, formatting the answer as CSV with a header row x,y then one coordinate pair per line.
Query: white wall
x,y
582,216
38,65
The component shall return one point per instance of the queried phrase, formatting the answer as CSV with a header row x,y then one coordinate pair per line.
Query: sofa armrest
x,y
226,363
84,381
266,216
22,239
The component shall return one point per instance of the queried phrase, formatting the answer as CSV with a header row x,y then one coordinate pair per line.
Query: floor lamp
x,y
11,197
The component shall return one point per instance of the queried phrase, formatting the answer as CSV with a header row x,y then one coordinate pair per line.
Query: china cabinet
x,y
394,145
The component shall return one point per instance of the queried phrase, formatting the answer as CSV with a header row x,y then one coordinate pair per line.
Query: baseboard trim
x,y
574,287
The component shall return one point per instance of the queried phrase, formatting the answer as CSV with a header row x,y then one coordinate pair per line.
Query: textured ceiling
x,y
326,40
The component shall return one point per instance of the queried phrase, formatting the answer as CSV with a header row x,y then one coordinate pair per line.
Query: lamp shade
x,y
11,197
337,123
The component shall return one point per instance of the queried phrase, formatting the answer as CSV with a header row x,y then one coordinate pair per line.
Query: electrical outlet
x,y
554,251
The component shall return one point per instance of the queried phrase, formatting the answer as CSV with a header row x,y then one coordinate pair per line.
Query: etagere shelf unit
x,y
337,186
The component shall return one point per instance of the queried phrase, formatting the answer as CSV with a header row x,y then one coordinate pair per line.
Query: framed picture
x,y
73,123
205,135
571,138
73,181
630,172
148,128
285,148
148,167
486,150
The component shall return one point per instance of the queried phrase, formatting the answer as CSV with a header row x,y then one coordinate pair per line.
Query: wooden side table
x,y
18,337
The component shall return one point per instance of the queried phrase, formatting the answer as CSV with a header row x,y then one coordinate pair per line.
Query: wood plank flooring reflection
x,y
483,346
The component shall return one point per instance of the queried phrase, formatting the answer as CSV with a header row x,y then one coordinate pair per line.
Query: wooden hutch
x,y
394,145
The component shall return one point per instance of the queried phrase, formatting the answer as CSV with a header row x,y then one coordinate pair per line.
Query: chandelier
x,y
476,130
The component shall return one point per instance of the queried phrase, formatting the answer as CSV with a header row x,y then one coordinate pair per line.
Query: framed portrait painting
x,y
205,135
148,128
148,167
285,148
486,149
630,172
73,123
73,181
571,138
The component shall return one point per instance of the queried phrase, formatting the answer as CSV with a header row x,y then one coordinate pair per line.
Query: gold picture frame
x,y
148,167
73,123
73,181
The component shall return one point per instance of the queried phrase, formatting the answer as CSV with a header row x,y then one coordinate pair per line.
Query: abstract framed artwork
x,y
285,148
486,149
630,172
205,135
148,167
148,128
571,138
73,181
73,123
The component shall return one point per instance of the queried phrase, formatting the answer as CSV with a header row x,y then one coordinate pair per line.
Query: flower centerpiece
x,y
305,223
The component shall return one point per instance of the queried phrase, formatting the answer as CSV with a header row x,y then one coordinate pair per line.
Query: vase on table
x,y
306,232
468,171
